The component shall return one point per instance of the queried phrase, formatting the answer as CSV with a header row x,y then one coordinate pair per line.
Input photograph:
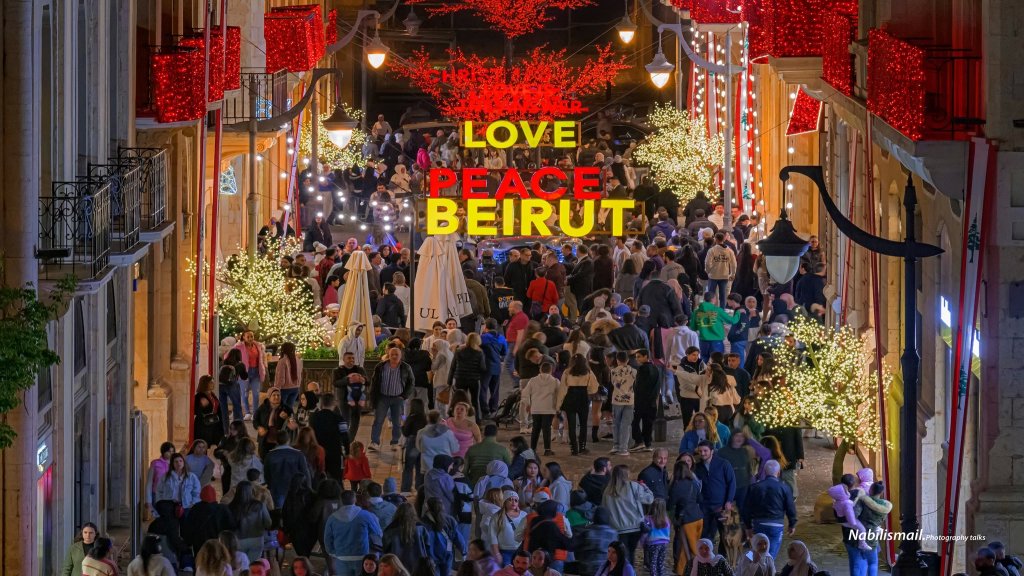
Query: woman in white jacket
x,y
501,534
441,363
625,500
541,396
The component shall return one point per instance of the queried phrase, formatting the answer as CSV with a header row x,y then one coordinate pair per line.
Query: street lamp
x,y
660,68
376,51
625,27
909,250
340,126
412,23
782,250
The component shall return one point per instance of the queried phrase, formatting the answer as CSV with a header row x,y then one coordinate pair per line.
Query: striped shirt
x,y
391,380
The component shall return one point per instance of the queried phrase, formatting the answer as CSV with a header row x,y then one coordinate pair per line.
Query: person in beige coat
x,y
541,396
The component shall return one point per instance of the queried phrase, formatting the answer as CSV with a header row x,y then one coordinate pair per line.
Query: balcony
x,y
152,167
125,193
74,227
263,95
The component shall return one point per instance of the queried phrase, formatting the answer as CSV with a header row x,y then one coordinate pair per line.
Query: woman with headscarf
x,y
401,182
756,562
799,563
706,562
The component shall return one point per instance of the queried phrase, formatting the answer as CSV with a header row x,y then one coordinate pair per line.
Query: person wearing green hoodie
x,y
479,456
709,322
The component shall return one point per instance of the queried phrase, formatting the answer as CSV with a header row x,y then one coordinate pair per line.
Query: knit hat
x,y
509,494
390,485
645,310
208,494
542,495
319,248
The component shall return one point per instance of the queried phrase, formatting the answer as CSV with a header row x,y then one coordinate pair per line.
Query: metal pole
x,y
412,262
909,562
314,147
136,480
252,202
727,183
217,147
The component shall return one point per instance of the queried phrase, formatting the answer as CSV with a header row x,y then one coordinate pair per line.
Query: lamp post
x,y
781,248
626,28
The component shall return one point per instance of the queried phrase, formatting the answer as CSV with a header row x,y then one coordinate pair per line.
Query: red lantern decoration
x,y
513,19
233,59
332,26
759,16
896,83
806,111
836,61
177,84
196,40
295,38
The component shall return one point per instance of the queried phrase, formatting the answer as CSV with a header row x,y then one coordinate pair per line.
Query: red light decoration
x,y
896,83
513,19
178,84
233,59
836,61
295,38
715,11
806,111
790,28
216,62
540,86
332,26
681,4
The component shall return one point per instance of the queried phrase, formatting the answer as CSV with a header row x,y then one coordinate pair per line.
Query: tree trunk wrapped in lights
x,y
680,153
825,382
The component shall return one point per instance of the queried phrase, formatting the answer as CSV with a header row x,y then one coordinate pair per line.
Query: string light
x,y
233,59
178,84
328,151
805,114
332,26
681,155
837,34
513,19
294,37
896,82
216,85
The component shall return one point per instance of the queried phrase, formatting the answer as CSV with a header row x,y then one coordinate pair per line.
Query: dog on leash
x,y
733,535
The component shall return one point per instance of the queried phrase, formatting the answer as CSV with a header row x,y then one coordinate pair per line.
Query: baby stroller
x,y
508,410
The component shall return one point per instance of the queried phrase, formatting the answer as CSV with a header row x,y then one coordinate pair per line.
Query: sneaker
x,y
373,447
637,448
647,449
247,417
613,451
622,453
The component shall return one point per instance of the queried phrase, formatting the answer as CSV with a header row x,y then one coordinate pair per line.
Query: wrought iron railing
x,y
153,185
75,218
270,90
125,201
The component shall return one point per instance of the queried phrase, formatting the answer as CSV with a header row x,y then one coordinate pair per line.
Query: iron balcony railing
x,y
271,96
153,182
125,201
75,218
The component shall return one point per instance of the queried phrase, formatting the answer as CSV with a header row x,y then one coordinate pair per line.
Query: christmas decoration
x,y
804,117
824,382
294,37
233,59
836,60
254,292
759,17
340,158
896,83
537,87
332,26
178,84
715,11
681,155
513,18
196,40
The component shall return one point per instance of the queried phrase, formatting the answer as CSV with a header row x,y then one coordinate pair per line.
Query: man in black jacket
x,y
628,337
580,283
664,305
699,202
390,308
769,503
645,388
518,274
595,481
331,429
390,387
655,475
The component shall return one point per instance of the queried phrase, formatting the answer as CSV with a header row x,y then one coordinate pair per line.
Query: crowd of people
x,y
596,342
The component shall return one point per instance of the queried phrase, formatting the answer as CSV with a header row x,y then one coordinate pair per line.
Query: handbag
x,y
210,419
444,395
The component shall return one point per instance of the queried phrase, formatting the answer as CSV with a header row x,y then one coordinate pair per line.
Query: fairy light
x,y
682,156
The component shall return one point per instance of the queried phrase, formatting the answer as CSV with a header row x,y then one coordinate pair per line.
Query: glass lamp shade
x,y
376,52
782,269
340,138
340,127
660,69
782,250
626,29
412,23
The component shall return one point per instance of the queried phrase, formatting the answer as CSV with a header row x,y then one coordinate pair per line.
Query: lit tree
x,y
540,86
680,153
343,158
513,18
826,384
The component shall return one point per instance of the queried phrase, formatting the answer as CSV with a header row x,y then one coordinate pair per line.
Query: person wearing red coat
x,y
542,291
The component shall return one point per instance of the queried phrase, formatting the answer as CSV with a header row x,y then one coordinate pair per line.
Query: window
x,y
111,314
80,356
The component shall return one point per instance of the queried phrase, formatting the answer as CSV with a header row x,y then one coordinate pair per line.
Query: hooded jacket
x,y
482,456
350,531
709,322
626,510
867,478
437,482
594,486
495,350
662,299
843,507
497,477
433,440
720,263
353,344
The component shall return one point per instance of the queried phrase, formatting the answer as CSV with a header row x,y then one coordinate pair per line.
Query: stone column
x,y
19,211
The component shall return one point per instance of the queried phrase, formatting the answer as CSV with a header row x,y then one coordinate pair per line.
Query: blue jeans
x,y
739,347
510,365
774,534
622,417
720,286
346,567
393,405
252,386
232,392
709,346
862,562
489,392
289,396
